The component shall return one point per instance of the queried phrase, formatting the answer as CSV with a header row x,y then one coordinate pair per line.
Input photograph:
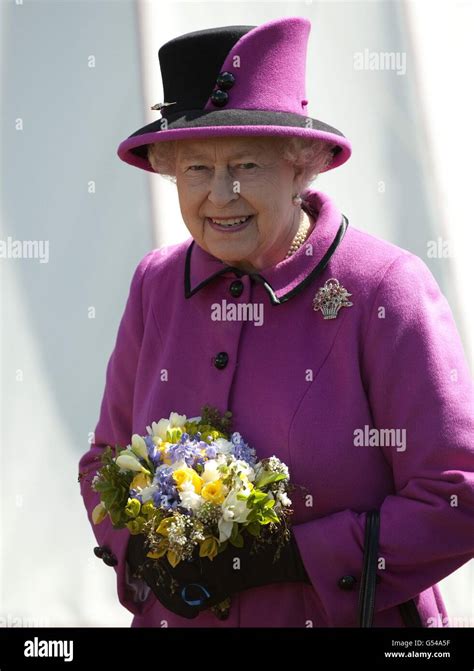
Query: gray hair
x,y
310,155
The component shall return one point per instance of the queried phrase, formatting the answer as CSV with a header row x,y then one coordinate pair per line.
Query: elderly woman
x,y
334,350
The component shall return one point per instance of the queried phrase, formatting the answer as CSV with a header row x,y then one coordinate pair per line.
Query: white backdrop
x,y
84,79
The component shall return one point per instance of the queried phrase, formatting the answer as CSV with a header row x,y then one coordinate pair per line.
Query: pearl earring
x,y
297,200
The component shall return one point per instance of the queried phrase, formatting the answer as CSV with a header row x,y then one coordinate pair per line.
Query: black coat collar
x,y
289,277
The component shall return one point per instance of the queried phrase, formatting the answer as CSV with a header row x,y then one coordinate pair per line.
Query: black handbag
x,y
369,579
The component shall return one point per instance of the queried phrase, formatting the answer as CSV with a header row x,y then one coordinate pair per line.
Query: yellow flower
x,y
163,448
140,481
148,509
99,513
164,525
135,526
160,550
173,558
182,475
213,492
132,509
208,547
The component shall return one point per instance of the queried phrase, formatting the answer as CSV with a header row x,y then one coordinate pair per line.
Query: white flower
x,y
246,470
246,473
223,446
277,466
129,463
188,496
152,430
139,446
244,489
225,530
147,493
233,510
159,429
211,471
177,420
283,499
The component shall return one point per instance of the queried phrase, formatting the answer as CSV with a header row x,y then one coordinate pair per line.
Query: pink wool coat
x,y
322,395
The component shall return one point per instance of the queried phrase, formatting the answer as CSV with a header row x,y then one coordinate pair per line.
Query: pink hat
x,y
235,80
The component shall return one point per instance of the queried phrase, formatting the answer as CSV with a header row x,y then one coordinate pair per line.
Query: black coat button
x,y
99,551
225,80
109,559
347,582
236,288
221,360
219,98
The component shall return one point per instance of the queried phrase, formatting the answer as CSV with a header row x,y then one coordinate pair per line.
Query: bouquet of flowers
x,y
192,486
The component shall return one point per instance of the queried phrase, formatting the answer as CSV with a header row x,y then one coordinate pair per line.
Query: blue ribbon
x,y
194,602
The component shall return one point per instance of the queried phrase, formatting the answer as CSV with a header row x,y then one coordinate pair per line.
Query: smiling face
x,y
231,178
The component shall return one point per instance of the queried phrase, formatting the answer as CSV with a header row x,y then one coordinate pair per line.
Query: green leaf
x,y
253,528
235,531
222,547
253,515
268,478
238,541
257,495
115,516
269,504
107,498
241,497
270,516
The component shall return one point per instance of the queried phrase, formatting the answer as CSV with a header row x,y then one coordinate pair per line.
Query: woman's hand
x,y
193,586
237,569
165,581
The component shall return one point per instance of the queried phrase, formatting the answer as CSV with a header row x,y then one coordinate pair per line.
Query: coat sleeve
x,y
115,428
416,378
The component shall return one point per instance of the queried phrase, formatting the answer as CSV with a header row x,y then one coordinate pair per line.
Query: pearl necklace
x,y
300,237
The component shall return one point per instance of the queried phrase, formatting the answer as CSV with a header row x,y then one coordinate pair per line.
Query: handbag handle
x,y
369,571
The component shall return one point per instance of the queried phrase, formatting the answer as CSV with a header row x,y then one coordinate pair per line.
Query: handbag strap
x,y
369,571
